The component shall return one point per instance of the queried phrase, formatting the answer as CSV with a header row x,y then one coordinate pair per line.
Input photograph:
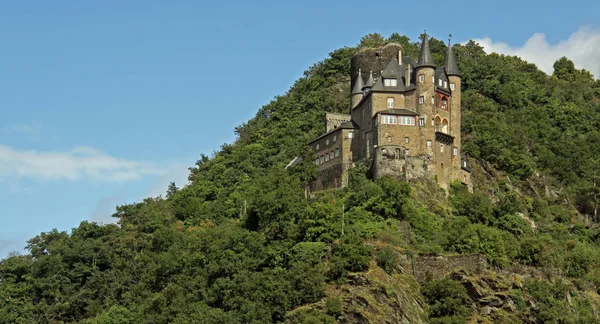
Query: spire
x,y
358,84
450,64
370,81
425,58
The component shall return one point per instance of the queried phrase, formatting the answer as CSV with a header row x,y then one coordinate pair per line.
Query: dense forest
x,y
242,244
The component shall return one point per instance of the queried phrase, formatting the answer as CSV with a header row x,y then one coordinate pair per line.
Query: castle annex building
x,y
404,120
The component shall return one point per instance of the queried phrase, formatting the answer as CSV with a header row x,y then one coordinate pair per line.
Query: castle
x,y
404,120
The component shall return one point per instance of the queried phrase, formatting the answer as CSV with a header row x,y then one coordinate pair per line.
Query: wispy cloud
x,y
582,47
177,173
76,164
32,131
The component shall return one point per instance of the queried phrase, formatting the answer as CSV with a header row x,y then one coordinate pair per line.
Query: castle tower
x,y
357,92
425,75
454,78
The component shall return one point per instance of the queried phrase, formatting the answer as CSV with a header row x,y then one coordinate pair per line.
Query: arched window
x,y
438,123
445,126
337,152
444,103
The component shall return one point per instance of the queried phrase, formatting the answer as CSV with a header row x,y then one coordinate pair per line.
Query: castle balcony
x,y
444,138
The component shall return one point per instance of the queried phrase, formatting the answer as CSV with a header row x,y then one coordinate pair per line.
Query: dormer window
x,y
390,82
327,141
317,146
445,84
440,82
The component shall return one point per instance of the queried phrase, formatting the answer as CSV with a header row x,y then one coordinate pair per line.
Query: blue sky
x,y
104,102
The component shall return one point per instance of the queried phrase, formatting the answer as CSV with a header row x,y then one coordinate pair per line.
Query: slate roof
x,y
370,81
347,125
425,57
392,71
450,64
358,84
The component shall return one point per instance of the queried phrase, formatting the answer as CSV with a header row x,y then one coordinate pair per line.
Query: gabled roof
x,y
346,125
450,64
392,71
425,57
405,112
358,84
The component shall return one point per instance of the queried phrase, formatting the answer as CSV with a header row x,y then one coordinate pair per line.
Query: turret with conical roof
x,y
357,93
450,64
425,57
370,81
358,83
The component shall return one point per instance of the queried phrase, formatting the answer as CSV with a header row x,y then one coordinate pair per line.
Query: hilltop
x,y
242,243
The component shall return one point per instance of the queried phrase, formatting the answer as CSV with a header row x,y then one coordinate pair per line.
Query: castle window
x,y
334,138
452,85
421,78
337,152
432,122
421,100
322,159
350,134
445,104
331,155
440,82
390,102
422,122
407,120
432,100
465,164
317,161
445,84
390,82
442,165
389,138
455,151
317,146
433,79
406,140
327,141
388,119
441,147
428,144
398,154
326,157
464,178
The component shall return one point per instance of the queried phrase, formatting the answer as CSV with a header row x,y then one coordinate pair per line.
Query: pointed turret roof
x,y
425,58
370,81
358,84
450,62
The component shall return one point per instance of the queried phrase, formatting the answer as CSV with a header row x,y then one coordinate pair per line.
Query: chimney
x,y
408,74
399,57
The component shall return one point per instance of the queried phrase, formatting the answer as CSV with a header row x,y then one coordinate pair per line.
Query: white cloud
x,y
582,47
177,173
106,207
76,164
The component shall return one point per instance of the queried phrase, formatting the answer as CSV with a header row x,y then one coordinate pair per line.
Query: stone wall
x,y
372,59
333,120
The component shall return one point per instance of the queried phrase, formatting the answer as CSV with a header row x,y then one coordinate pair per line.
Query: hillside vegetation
x,y
242,244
